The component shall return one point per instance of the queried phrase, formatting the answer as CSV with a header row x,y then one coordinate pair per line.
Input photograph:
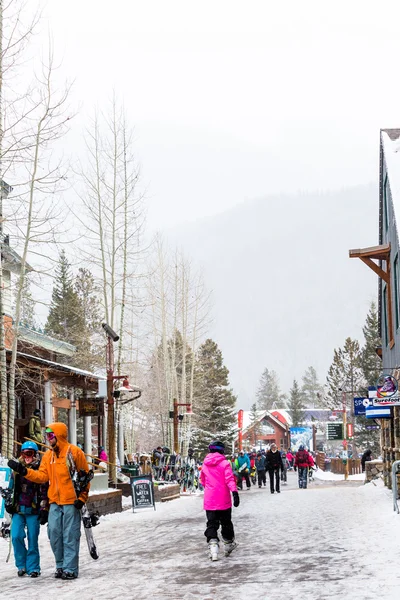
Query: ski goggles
x,y
50,435
28,453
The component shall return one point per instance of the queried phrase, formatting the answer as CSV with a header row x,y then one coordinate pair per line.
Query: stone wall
x,y
105,502
373,470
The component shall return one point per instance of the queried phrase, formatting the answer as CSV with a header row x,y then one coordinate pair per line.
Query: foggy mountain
x,y
284,291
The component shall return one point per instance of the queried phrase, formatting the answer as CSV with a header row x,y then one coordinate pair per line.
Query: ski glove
x,y
16,466
236,499
43,517
78,504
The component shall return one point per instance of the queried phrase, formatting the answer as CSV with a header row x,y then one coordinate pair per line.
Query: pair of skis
x,y
81,480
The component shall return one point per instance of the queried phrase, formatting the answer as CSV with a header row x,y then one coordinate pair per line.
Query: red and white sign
x,y
350,430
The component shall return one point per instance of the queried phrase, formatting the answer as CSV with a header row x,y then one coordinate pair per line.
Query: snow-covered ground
x,y
329,542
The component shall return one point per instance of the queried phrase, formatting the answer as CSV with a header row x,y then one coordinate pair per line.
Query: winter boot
x,y
229,546
213,548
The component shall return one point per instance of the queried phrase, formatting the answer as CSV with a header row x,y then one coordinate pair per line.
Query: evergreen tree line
x,y
354,368
75,313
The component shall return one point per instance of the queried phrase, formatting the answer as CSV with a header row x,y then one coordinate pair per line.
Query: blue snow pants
x,y
303,475
27,559
64,531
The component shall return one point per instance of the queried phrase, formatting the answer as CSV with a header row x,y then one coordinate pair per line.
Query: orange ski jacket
x,y
54,468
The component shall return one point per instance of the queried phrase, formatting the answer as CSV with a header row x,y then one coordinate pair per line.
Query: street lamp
x,y
111,337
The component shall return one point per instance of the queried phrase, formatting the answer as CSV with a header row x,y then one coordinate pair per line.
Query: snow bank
x,y
328,476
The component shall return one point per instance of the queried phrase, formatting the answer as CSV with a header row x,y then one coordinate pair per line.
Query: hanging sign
x,y
91,407
382,401
142,492
359,405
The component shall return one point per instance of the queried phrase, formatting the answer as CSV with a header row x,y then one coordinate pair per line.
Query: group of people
x,y
273,462
41,490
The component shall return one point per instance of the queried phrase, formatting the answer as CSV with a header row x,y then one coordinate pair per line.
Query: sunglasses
x,y
50,435
28,453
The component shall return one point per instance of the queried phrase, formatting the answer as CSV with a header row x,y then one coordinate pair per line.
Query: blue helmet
x,y
29,446
301,447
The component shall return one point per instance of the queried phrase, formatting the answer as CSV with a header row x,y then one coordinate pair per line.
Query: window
x,y
385,327
396,290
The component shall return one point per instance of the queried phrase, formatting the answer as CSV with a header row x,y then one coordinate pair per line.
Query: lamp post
x,y
112,337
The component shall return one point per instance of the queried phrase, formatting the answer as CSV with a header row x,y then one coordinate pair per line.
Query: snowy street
x,y
331,541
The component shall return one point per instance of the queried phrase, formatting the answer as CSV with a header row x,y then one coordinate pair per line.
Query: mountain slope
x,y
285,292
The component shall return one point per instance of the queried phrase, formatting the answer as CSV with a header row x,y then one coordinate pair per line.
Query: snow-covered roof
x,y
38,338
391,150
61,367
260,415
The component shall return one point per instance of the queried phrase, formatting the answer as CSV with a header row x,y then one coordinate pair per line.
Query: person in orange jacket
x,y
64,524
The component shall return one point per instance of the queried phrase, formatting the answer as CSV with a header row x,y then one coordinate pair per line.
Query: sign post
x,y
142,492
346,462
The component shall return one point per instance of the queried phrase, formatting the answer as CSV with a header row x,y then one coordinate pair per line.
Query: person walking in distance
x,y
302,462
285,465
260,466
28,510
218,481
64,526
274,464
366,457
243,462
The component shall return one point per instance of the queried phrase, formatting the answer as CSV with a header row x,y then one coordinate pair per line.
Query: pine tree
x,y
311,389
255,424
215,403
27,316
90,343
371,364
65,320
296,405
268,391
345,374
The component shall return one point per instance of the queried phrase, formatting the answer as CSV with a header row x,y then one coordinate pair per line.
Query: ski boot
x,y
229,546
213,549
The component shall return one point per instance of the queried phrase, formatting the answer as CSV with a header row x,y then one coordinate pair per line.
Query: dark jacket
x,y
274,460
260,463
302,459
28,498
365,458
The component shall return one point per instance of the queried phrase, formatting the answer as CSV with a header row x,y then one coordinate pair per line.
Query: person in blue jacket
x,y
243,464
28,510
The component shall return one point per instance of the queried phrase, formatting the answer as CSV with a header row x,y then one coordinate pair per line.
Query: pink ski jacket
x,y
218,480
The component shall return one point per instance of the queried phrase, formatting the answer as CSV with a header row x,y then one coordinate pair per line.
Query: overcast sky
x,y
233,100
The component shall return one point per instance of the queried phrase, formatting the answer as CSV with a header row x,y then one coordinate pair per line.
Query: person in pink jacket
x,y
218,481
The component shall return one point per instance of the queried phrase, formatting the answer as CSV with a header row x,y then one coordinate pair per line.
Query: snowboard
x,y
81,480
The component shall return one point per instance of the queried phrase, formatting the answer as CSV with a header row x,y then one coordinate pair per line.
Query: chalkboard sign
x,y
142,492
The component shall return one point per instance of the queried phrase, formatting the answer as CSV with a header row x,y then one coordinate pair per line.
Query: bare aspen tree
x,y
114,219
179,308
48,122
15,33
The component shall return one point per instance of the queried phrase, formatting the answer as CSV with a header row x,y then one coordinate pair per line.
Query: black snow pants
x,y
215,518
261,478
274,474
